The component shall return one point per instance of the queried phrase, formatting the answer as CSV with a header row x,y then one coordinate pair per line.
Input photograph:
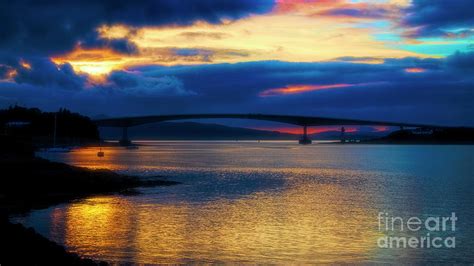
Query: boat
x,y
100,153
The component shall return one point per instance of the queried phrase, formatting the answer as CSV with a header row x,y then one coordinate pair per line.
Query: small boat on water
x,y
100,153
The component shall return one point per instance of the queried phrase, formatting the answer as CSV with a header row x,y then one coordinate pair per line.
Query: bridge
x,y
303,121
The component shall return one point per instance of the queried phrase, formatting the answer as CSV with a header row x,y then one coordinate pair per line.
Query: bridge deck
x,y
289,119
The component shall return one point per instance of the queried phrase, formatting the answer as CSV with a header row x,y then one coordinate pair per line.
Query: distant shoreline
x,y
114,143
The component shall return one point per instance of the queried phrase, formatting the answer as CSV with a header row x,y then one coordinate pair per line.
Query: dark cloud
x,y
192,35
439,95
123,46
373,13
439,17
355,59
44,73
146,86
462,60
30,27
204,55
172,55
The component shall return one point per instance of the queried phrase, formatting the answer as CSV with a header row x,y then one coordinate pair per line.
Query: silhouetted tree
x,y
70,126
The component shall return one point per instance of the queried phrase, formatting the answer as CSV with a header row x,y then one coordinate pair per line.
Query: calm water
x,y
269,202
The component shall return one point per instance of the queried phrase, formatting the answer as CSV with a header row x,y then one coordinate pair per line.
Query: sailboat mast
x,y
55,126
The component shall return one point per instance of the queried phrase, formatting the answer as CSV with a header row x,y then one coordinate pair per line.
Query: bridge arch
x,y
304,121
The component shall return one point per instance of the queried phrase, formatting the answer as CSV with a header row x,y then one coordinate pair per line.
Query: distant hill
x,y
204,131
193,131
362,134
459,135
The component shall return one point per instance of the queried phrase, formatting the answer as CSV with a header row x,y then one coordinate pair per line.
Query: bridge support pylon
x,y
305,139
343,137
125,141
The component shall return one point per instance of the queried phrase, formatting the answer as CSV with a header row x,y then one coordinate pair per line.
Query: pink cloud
x,y
294,89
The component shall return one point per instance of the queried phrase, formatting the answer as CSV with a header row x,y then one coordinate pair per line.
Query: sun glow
x,y
95,62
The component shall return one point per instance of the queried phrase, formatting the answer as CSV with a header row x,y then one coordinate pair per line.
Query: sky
x,y
389,60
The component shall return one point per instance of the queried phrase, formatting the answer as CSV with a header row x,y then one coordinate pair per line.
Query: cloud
x,y
150,56
432,18
142,86
44,73
5,72
462,60
366,59
441,94
192,35
123,46
294,89
350,12
415,70
203,55
460,34
54,27
255,38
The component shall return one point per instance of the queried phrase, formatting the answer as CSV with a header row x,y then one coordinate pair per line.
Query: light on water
x,y
268,202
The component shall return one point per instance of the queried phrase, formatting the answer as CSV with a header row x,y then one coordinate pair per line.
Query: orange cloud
x,y
342,9
10,73
380,128
95,62
101,61
415,70
25,64
285,6
293,89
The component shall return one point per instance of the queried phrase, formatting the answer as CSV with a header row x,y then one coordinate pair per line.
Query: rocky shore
x,y
28,183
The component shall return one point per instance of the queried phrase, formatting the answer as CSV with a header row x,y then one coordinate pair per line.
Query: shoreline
x,y
31,183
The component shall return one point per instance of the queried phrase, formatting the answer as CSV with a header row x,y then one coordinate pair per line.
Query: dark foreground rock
x,y
28,183
21,246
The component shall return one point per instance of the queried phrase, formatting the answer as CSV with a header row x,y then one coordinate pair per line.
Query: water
x,y
268,202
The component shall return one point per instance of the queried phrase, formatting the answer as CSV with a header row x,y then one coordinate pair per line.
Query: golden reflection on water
x,y
261,202
308,222
87,157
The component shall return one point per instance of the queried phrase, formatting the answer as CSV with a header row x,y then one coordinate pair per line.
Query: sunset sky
x,y
391,60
